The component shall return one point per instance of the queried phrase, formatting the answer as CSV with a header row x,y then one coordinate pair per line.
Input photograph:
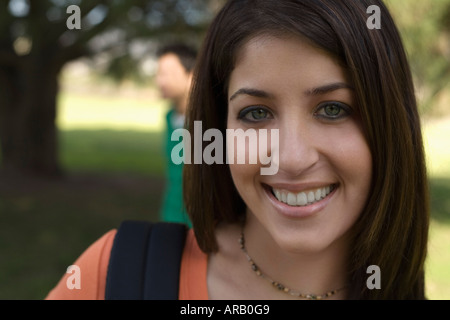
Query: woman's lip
x,y
298,211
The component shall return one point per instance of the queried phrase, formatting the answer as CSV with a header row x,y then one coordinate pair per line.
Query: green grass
x,y
138,152
47,224
111,111
438,263
437,145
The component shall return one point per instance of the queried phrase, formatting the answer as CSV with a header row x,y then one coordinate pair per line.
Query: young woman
x,y
346,214
342,97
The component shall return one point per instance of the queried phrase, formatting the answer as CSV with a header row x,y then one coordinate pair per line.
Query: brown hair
x,y
392,232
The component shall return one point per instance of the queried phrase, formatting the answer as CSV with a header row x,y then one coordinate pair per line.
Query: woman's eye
x,y
254,114
332,111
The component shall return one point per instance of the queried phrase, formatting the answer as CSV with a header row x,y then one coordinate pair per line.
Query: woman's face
x,y
325,165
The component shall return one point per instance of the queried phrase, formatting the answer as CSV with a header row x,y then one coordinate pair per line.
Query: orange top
x,y
93,264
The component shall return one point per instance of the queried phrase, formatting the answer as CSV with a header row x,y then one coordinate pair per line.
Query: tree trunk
x,y
28,133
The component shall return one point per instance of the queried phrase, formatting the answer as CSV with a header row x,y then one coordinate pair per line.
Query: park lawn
x,y
46,225
437,146
112,133
111,175
438,263
112,111
113,151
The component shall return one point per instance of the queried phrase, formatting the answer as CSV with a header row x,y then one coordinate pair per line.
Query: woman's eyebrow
x,y
251,92
310,92
328,88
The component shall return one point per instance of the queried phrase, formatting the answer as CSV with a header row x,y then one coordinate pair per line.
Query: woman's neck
x,y
305,272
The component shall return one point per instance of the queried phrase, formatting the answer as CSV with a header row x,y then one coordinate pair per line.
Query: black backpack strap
x,y
145,261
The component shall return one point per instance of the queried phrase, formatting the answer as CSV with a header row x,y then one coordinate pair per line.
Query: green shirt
x,y
173,209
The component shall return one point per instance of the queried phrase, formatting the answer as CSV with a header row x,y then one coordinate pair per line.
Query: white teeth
x,y
302,198
291,199
323,192
318,194
311,197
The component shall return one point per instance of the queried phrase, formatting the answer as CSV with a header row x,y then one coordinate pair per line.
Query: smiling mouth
x,y
304,198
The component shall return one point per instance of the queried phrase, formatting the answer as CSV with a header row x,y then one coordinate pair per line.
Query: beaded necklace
x,y
279,286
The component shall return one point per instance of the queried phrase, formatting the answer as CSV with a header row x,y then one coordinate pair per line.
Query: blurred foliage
x,y
122,31
121,34
425,28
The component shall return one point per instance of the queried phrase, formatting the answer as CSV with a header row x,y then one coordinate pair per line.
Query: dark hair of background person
x,y
184,52
392,231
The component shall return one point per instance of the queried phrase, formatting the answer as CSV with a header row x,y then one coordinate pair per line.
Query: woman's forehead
x,y
265,61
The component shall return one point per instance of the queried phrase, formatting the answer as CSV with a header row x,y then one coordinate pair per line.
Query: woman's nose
x,y
298,150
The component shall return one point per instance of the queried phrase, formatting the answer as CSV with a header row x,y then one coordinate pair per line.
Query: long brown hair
x,y
392,231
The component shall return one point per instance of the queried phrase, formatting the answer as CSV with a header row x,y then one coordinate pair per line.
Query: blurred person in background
x,y
175,66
